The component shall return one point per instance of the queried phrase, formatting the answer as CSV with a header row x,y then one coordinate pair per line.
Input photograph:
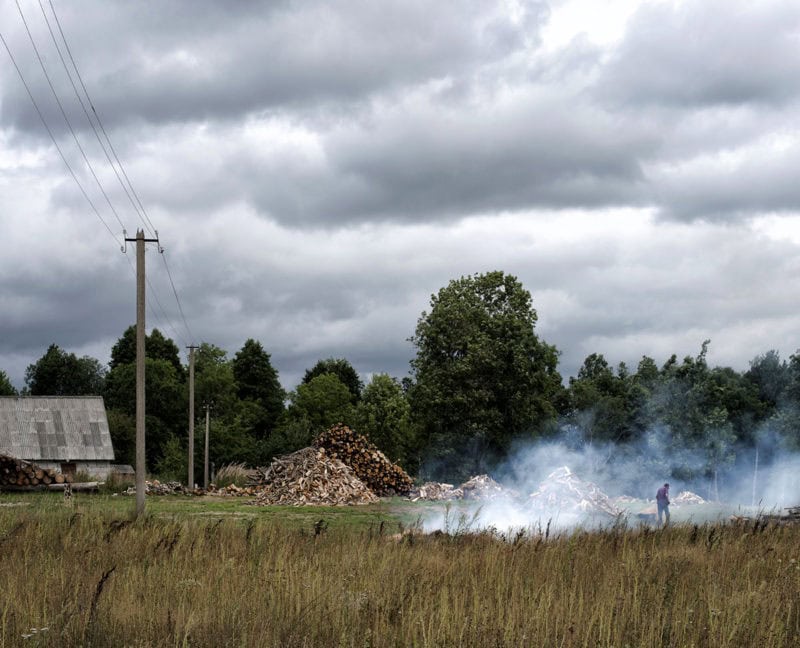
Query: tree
x,y
343,370
482,376
384,416
6,388
257,381
58,373
156,347
214,381
165,395
313,407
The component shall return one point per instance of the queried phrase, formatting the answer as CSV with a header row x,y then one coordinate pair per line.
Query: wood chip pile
x,y
368,463
563,491
16,472
312,476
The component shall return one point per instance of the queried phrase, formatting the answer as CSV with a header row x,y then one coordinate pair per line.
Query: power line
x,y
89,119
177,299
64,114
141,211
55,142
97,116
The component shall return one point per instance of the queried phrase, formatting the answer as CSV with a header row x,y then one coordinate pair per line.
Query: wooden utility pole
x,y
140,341
205,467
190,478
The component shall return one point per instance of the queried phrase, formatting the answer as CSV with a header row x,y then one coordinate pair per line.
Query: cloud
x,y
718,52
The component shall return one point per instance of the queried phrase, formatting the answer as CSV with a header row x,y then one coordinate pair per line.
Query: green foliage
x,y
156,346
122,427
482,376
58,373
384,416
6,388
257,381
343,370
171,465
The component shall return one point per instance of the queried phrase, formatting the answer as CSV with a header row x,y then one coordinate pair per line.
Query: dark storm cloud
x,y
705,53
179,61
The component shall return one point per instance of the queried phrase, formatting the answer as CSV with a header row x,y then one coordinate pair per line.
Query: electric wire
x,y
89,119
97,116
55,142
177,299
150,306
132,194
142,211
64,114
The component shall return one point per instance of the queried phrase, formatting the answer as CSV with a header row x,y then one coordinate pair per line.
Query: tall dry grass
x,y
93,580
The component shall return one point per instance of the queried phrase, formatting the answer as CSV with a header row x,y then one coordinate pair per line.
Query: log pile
x,y
17,472
312,477
368,463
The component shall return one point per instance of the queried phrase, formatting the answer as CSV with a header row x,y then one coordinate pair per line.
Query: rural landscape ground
x,y
218,572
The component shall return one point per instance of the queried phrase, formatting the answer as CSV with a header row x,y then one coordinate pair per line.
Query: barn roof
x,y
50,428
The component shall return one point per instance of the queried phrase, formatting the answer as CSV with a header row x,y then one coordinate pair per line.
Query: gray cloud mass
x,y
316,171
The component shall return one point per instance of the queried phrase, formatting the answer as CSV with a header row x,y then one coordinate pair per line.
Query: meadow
x,y
202,572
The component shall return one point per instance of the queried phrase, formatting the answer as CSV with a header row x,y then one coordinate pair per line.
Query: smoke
x,y
764,476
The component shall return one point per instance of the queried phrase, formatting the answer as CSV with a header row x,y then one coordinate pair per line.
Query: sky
x,y
316,171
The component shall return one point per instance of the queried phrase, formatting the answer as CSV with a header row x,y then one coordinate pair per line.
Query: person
x,y
662,500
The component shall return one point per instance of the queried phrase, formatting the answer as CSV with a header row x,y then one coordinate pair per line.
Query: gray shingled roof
x,y
53,428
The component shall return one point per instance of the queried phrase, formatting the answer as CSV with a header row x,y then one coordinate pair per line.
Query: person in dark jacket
x,y
662,501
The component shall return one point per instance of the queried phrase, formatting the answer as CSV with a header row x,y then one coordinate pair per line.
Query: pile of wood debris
x,y
17,473
368,463
563,491
156,487
435,492
686,497
232,490
480,487
483,487
312,476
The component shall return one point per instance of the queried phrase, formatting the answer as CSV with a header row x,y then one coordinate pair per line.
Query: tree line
x,y
482,381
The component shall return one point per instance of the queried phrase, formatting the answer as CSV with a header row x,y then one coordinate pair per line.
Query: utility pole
x,y
140,341
190,479
205,468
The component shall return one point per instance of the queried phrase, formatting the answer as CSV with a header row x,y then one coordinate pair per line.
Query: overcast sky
x,y
317,170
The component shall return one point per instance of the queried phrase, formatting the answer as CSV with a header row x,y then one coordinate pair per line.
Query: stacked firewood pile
x,y
16,472
368,463
311,476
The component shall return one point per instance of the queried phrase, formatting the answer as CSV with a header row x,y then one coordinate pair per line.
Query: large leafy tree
x,y
156,347
257,382
343,370
59,373
6,388
482,375
383,415
313,407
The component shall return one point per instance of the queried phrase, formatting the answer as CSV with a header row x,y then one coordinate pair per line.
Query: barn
x,y
68,433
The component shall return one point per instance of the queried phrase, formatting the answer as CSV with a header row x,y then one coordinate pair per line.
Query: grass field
x,y
202,572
